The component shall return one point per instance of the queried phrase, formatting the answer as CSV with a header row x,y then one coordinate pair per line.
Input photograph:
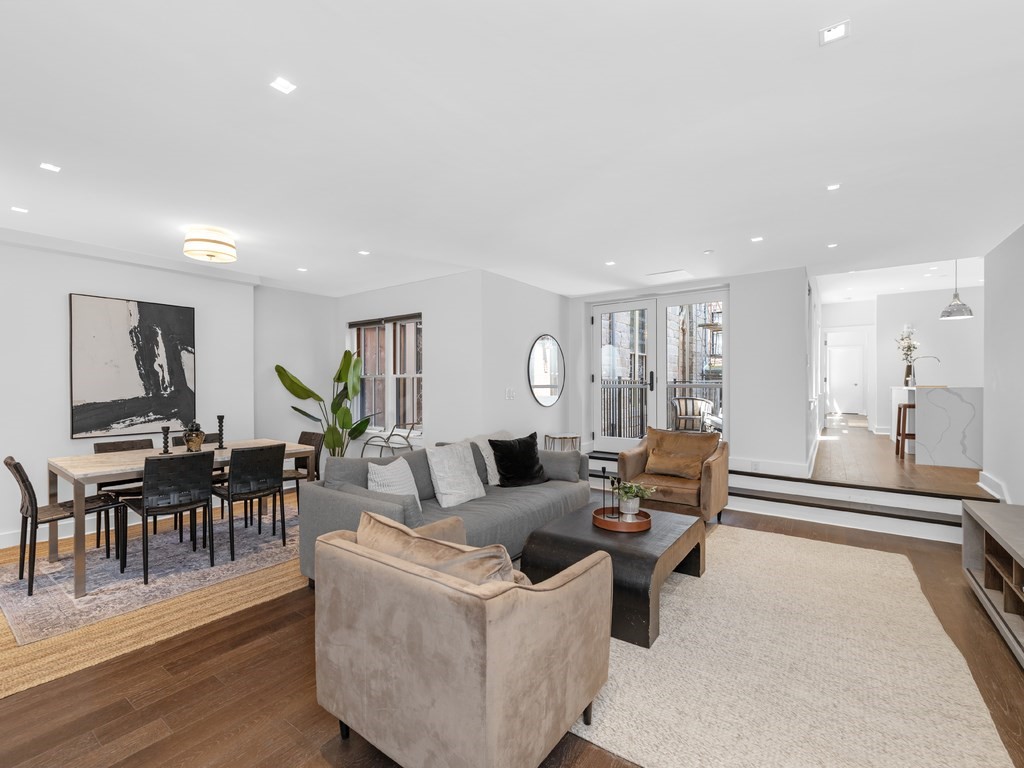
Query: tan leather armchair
x,y
435,671
705,492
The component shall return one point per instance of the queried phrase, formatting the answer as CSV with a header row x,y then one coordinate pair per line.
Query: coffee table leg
x,y
693,563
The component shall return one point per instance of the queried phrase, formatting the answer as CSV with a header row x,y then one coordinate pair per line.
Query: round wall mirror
x,y
546,370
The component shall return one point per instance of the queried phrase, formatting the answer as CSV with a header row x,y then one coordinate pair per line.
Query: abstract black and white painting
x,y
133,366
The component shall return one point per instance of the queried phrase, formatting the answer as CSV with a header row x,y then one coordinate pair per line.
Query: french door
x,y
658,363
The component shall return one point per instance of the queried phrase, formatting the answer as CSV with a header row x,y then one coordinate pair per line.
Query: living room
x,y
509,245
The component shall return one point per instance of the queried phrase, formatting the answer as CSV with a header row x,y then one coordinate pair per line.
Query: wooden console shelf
x,y
993,559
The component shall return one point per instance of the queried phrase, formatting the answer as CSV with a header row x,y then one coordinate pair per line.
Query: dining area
x,y
185,484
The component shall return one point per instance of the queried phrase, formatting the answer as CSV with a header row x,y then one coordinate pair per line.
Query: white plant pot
x,y
628,509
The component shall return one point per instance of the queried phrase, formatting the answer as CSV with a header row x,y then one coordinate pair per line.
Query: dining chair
x,y
301,470
172,485
33,515
119,488
253,475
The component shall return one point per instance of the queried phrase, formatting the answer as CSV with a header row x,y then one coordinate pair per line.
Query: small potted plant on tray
x,y
630,495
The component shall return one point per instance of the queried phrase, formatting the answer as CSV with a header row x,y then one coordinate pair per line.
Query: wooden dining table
x,y
92,468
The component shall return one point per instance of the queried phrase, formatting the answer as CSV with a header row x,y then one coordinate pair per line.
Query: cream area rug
x,y
792,652
174,569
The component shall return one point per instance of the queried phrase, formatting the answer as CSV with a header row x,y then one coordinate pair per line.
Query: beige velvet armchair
x,y
690,471
435,671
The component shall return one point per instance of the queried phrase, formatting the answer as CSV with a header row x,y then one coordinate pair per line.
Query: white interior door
x,y
845,379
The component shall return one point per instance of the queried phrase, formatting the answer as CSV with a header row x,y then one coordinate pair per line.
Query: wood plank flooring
x,y
849,453
241,691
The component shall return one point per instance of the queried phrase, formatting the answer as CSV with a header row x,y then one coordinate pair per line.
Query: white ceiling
x,y
867,284
534,139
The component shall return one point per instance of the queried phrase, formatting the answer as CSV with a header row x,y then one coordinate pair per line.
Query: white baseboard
x,y
993,486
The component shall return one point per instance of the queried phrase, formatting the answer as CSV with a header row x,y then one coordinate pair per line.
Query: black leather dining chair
x,y
301,472
172,485
253,475
32,515
119,488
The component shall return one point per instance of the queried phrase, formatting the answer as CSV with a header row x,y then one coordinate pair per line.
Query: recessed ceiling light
x,y
16,209
301,269
834,33
363,253
833,245
756,239
832,187
50,167
933,268
282,85
708,252
609,263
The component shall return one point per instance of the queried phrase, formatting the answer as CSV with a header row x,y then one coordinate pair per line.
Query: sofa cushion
x,y
395,478
518,461
680,454
454,474
676,490
473,564
348,469
482,444
561,465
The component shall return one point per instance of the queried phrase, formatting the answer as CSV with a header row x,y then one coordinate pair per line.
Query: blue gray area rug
x,y
174,569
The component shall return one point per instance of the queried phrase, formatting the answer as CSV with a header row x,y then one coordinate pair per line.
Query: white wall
x,y
35,408
959,344
298,331
1004,369
514,315
769,400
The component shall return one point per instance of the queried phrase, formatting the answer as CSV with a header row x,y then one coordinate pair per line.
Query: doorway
x,y
659,363
844,379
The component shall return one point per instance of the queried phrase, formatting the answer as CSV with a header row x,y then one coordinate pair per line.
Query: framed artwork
x,y
133,366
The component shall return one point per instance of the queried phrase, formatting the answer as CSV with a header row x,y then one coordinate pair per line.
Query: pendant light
x,y
956,310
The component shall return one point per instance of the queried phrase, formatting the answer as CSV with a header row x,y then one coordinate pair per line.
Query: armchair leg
x,y
344,730
588,714
719,517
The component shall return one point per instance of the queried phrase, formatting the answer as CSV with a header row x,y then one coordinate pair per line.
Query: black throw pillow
x,y
518,461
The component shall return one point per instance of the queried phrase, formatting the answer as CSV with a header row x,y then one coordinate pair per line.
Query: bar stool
x,y
902,409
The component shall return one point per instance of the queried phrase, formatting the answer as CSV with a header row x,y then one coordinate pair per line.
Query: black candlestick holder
x,y
220,431
167,439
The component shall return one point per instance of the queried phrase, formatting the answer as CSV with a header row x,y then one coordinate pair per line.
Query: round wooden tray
x,y
642,522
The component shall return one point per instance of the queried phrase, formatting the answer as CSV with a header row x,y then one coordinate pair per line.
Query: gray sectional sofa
x,y
504,516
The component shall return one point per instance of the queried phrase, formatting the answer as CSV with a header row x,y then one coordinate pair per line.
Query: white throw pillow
x,y
488,453
395,478
454,474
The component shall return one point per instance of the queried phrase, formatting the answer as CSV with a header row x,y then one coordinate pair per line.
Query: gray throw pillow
x,y
561,465
412,515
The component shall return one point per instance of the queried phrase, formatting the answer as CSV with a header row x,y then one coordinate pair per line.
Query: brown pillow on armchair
x,y
679,454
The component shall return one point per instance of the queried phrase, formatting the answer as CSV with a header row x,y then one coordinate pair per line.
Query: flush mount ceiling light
x,y
282,85
50,167
210,244
956,310
834,33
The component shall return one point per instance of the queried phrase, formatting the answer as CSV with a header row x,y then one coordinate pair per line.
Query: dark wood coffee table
x,y
640,562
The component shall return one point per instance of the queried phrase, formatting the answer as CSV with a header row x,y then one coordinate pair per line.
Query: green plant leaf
x,y
344,418
294,386
309,416
340,401
359,428
343,368
353,383
333,439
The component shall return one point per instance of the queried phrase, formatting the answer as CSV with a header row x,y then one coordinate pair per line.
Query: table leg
x,y
79,539
52,528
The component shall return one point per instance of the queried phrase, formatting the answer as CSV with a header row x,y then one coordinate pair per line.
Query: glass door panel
x,y
692,396
624,336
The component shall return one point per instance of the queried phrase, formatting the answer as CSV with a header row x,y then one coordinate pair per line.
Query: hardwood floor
x,y
849,453
241,691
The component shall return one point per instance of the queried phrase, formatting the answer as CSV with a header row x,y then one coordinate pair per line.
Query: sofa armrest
x,y
633,462
714,482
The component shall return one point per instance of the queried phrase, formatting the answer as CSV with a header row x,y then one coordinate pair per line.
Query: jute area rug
x,y
791,652
140,620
